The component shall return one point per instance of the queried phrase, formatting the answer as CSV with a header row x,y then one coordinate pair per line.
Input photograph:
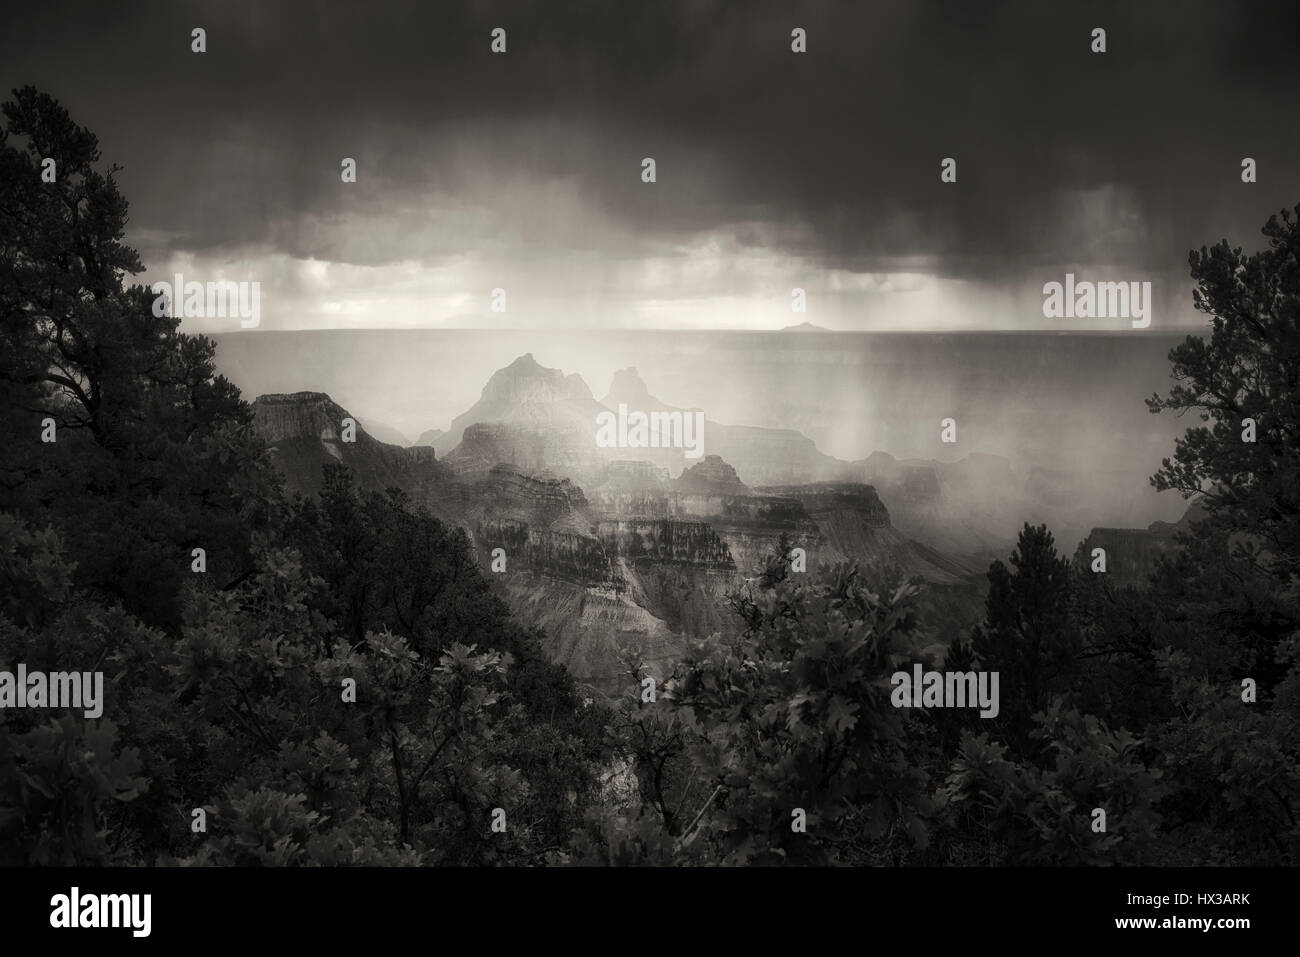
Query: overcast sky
x,y
775,170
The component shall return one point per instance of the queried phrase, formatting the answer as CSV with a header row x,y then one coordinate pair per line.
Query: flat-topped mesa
x,y
763,456
506,486
306,430
281,417
823,498
297,415
1133,553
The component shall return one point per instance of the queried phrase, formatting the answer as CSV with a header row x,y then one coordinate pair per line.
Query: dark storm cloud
x,y
1064,156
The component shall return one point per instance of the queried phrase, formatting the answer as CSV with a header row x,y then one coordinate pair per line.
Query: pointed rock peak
x,y
578,385
526,367
630,389
712,473
628,384
526,392
525,361
524,373
523,369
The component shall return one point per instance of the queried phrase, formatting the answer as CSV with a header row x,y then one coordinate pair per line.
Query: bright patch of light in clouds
x,y
724,278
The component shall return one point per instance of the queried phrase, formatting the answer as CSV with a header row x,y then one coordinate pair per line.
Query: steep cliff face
x,y
749,525
531,397
305,430
567,556
666,541
600,589
559,450
770,456
690,600
298,415
601,585
637,562
832,522
829,500
508,499
590,629
853,525
1132,553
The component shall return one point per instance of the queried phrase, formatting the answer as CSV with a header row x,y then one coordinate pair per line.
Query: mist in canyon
x,y
1062,409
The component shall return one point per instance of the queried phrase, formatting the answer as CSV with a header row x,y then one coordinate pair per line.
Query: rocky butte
x,y
1133,553
304,432
611,550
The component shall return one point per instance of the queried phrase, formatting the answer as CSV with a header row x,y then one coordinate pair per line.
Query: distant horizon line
x,y
1136,333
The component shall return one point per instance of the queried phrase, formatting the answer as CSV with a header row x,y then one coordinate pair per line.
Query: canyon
x,y
618,552
609,556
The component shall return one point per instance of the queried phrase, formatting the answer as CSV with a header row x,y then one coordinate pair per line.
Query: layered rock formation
x,y
533,400
564,450
1133,553
712,476
757,455
541,421
304,431
636,563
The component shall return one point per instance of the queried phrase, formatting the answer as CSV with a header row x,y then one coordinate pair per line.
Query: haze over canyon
x,y
614,550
